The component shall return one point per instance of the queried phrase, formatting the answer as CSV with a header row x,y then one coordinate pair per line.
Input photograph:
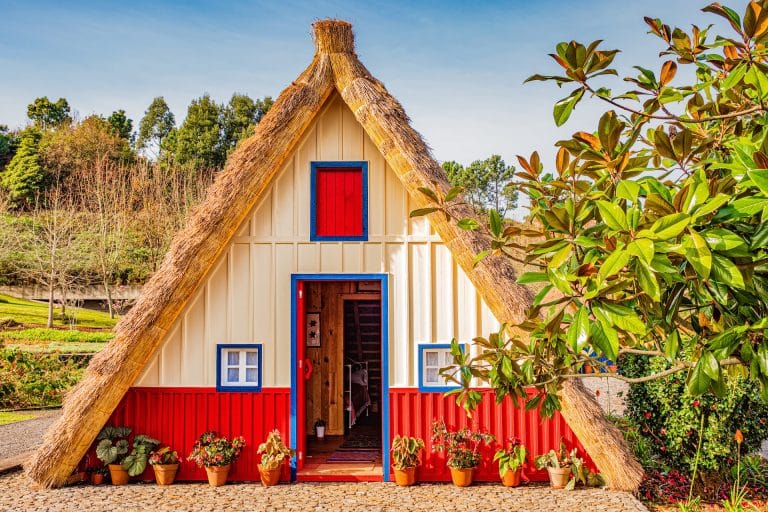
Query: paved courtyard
x,y
18,494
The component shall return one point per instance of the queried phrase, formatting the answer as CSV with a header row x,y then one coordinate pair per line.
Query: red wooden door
x,y
301,382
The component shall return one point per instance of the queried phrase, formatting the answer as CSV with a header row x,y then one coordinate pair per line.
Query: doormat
x,y
362,441
353,456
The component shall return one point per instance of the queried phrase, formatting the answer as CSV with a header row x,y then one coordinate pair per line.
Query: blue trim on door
x,y
313,236
441,388
222,388
384,279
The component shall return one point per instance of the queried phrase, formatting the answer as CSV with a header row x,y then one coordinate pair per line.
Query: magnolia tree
x,y
648,235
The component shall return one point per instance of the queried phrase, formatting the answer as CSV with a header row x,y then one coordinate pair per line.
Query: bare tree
x,y
45,244
104,195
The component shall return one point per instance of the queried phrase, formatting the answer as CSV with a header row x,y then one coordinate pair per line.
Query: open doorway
x,y
344,389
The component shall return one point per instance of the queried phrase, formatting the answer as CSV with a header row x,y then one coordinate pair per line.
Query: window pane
x,y
233,358
430,358
430,376
233,374
252,375
251,358
447,358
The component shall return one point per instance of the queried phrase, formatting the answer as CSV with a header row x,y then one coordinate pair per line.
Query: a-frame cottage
x,y
301,290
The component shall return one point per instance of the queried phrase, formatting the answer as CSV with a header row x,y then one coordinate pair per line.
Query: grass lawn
x,y
43,335
28,312
13,417
57,346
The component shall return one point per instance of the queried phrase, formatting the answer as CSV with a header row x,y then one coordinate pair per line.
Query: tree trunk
x,y
50,306
108,292
601,439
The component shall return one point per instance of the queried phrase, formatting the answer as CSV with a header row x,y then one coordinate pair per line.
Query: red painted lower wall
x,y
412,412
177,417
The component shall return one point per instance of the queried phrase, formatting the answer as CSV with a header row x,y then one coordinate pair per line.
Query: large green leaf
x,y
620,316
646,278
578,331
628,190
760,179
724,240
564,107
560,257
709,365
605,338
726,272
613,264
533,277
762,357
613,216
698,380
642,248
670,226
697,253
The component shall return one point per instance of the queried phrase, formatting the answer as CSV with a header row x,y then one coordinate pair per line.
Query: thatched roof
x,y
213,224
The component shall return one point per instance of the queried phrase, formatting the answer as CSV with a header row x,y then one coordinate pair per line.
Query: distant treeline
x,y
92,201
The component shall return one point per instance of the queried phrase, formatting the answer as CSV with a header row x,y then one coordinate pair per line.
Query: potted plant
x,y
273,454
405,455
165,464
97,475
558,465
511,461
216,454
113,444
462,449
320,429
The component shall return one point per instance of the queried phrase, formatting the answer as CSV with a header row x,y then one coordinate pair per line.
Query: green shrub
x,y
36,380
668,418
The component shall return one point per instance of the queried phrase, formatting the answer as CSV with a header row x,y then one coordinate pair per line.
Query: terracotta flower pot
x,y
405,477
558,477
217,475
512,478
269,477
462,477
97,478
118,475
165,474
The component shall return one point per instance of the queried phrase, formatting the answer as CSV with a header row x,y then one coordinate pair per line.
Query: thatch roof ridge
x,y
213,224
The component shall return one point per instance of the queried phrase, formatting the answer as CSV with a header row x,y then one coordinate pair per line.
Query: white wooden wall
x,y
246,299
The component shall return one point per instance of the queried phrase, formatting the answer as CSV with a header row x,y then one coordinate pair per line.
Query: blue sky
x,y
457,67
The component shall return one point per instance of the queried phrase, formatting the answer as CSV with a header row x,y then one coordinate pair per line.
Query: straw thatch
x,y
238,188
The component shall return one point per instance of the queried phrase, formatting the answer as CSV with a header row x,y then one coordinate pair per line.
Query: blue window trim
x,y
219,349
384,279
313,236
434,389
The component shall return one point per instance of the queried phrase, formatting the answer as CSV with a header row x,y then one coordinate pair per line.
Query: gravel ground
x,y
23,436
17,493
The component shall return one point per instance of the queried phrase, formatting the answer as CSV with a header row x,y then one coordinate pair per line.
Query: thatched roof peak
x,y
333,36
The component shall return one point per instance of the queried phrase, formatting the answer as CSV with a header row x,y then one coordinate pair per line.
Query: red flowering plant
x,y
211,450
163,456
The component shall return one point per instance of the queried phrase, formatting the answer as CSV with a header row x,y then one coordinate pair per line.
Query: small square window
x,y
432,357
239,367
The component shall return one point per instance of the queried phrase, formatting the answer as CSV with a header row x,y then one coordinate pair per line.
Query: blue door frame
x,y
384,279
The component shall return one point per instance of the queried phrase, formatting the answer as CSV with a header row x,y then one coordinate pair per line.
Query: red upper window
x,y
339,206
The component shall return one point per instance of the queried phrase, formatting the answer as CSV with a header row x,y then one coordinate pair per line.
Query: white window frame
x,y
222,373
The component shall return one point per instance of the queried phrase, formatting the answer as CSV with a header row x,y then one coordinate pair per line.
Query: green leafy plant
x,y
563,459
136,461
648,234
461,446
667,418
737,496
405,452
274,451
112,443
511,458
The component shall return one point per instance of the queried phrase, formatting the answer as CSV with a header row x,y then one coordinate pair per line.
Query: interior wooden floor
x,y
317,469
